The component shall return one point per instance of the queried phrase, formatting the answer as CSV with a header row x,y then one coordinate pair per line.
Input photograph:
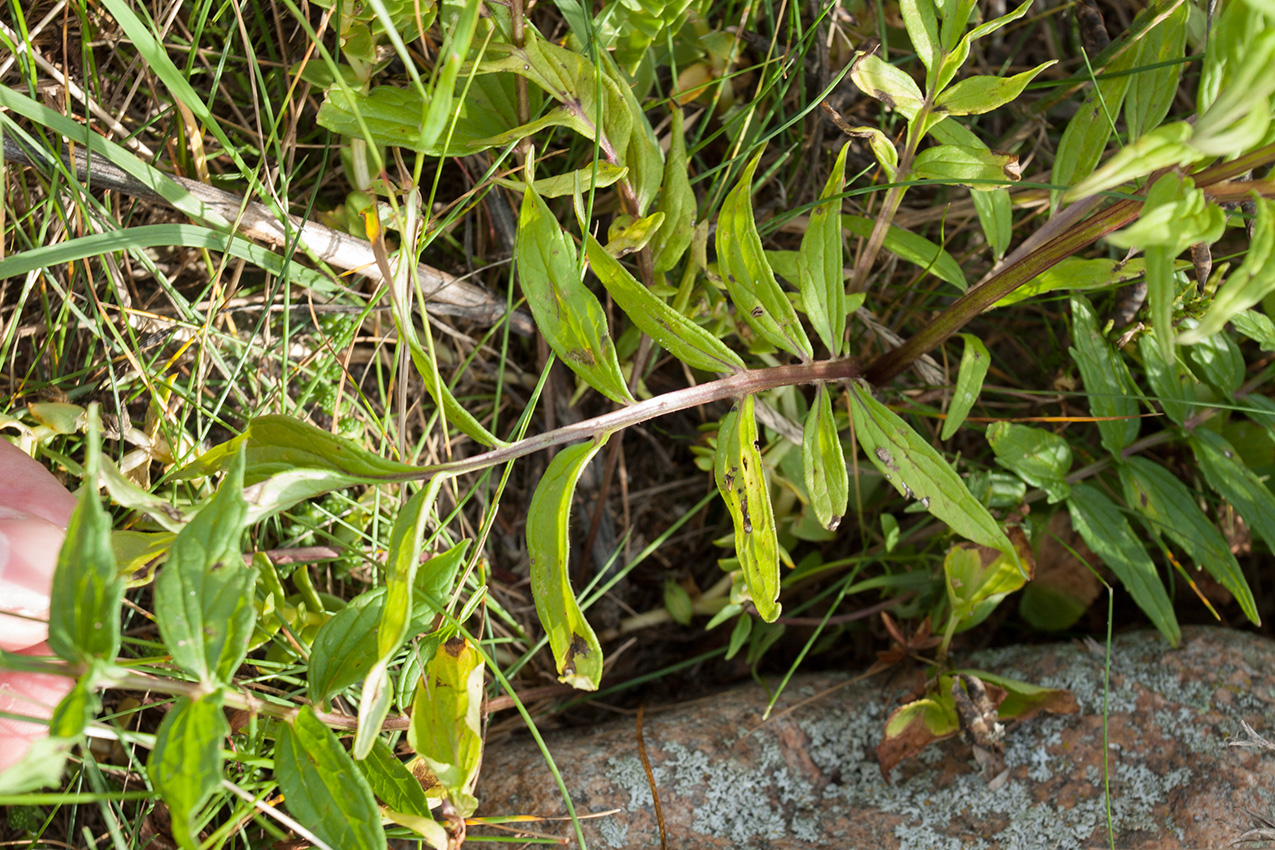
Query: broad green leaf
x,y
821,275
975,167
888,84
748,275
918,471
1041,458
392,783
1075,273
1152,93
446,728
1108,384
1174,386
185,765
1176,214
642,155
576,651
566,312
976,95
737,468
203,595
680,336
977,579
975,361
1247,285
278,444
1254,325
677,202
823,462
324,789
923,29
1171,509
1217,361
1242,489
128,495
992,204
627,234
882,148
913,248
87,591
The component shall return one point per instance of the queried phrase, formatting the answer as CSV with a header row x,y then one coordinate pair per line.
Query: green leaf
x,y
185,765
576,651
1173,385
977,579
1171,509
392,783
561,185
1108,384
642,155
923,29
1254,325
203,595
1175,215
447,65
680,336
976,167
737,468
748,275
1218,362
919,472
912,727
821,275
882,148
677,202
823,463
1247,285
678,603
975,361
1241,115
1039,457
888,84
1075,273
324,789
1085,138
566,312
976,95
446,728
913,248
1151,95
995,214
627,234
1226,473
87,591
952,26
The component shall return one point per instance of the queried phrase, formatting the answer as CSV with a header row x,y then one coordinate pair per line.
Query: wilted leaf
x,y
446,728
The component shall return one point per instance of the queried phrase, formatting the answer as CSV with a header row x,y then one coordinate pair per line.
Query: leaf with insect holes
x,y
680,336
1039,457
821,275
203,595
748,276
325,790
1109,386
737,468
87,589
918,471
976,95
975,361
823,463
447,727
566,312
185,765
576,650
1171,509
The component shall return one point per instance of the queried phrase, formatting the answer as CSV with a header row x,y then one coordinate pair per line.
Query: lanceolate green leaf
x,y
566,312
823,462
1227,474
203,595
447,717
1106,531
1085,138
1152,92
1173,385
576,650
991,203
976,167
323,788
1171,509
919,472
741,480
185,766
684,339
976,95
1040,457
822,280
913,248
975,361
1110,388
87,592
677,202
748,276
